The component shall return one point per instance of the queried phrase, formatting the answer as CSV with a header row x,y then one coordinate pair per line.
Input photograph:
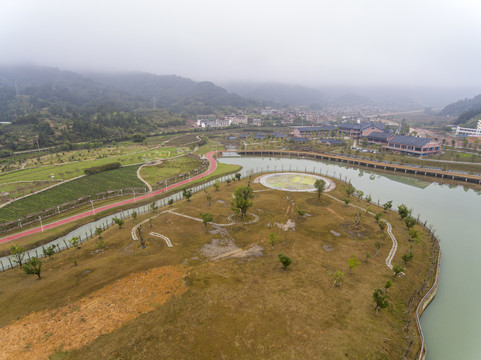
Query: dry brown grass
x,y
242,308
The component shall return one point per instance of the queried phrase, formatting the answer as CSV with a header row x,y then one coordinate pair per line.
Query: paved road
x,y
210,170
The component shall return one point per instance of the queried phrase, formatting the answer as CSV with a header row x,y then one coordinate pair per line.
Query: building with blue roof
x,y
413,145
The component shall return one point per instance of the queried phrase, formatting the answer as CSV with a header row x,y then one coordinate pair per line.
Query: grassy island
x,y
209,284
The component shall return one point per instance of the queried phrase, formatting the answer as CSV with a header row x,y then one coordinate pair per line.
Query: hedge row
x,y
101,168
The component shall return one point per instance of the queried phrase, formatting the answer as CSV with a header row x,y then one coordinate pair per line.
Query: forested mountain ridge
x,y
53,106
461,106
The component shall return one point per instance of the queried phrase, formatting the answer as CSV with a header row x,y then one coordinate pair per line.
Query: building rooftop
x,y
350,126
409,140
379,135
300,139
333,141
308,129
365,125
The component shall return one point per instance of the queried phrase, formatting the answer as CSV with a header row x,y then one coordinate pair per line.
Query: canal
x,y
452,323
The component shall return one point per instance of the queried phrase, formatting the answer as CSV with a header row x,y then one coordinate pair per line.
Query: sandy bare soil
x,y
39,334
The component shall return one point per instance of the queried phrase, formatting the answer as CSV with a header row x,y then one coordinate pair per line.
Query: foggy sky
x,y
308,42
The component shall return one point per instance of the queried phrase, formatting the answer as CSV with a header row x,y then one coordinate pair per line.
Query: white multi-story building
x,y
469,131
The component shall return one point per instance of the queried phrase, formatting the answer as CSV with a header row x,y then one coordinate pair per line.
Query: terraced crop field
x,y
109,180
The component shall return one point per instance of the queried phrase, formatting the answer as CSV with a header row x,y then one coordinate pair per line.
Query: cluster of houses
x,y
206,121
372,133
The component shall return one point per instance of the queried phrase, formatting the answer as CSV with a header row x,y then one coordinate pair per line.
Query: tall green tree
x,y
320,185
410,221
387,205
403,211
380,299
242,199
397,269
206,218
18,253
33,266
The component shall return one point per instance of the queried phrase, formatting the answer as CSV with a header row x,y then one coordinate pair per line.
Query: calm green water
x,y
452,323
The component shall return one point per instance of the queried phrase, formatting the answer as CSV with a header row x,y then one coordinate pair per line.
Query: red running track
x,y
210,170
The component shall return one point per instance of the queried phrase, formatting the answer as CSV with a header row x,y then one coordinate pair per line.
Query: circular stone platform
x,y
294,182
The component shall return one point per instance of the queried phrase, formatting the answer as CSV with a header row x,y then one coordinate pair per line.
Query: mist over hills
x,y
393,98
125,91
462,106
54,106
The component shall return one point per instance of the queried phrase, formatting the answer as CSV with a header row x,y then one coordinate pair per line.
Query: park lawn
x,y
70,170
168,168
242,308
124,177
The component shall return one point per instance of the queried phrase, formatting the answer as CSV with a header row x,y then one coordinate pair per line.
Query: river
x,y
452,323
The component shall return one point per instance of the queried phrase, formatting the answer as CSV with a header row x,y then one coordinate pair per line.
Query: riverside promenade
x,y
406,169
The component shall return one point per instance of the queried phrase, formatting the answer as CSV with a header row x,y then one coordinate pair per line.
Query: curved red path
x,y
210,170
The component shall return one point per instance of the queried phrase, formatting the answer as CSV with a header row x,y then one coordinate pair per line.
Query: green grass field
x,y
82,159
109,180
168,168
74,169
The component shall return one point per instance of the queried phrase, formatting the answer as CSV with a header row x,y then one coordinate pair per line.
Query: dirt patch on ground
x,y
38,335
225,247
289,225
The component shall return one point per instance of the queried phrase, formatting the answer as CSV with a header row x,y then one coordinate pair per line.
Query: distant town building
x,y
257,122
223,122
237,119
